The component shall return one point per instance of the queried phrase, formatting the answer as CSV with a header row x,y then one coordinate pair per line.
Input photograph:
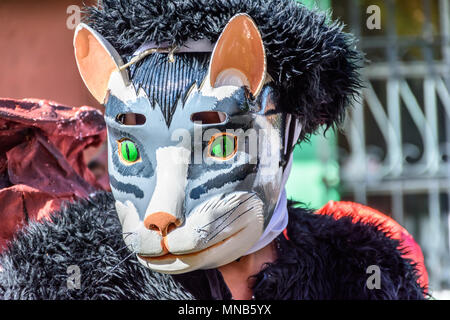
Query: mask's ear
x,y
239,57
96,61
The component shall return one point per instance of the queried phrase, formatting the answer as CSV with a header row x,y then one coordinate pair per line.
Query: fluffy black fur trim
x,y
327,259
313,62
87,234
324,259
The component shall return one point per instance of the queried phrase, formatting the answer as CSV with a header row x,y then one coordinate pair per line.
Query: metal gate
x,y
394,148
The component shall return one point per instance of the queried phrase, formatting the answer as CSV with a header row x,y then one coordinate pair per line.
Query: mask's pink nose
x,y
162,222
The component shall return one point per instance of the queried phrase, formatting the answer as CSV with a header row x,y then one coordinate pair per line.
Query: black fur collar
x,y
328,259
324,259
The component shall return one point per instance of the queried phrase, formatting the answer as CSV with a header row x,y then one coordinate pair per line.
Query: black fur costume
x,y
324,259
314,67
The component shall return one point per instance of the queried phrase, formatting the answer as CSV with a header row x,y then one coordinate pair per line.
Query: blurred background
x,y
392,152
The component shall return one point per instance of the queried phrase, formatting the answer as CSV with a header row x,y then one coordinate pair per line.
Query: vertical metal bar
x,y
395,136
448,228
435,240
359,154
445,35
431,141
444,17
432,148
393,88
397,203
392,47
357,137
393,144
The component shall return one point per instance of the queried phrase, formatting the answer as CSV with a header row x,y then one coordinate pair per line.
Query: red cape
x,y
41,159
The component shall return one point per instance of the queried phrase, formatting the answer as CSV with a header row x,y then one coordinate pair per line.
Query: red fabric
x,y
41,159
358,212
285,234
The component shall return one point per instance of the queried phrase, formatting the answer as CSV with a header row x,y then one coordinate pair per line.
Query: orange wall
x,y
36,54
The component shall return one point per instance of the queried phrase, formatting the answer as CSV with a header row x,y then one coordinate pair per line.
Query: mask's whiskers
x,y
126,246
246,211
229,213
114,235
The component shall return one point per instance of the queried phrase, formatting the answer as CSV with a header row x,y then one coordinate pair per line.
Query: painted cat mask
x,y
196,151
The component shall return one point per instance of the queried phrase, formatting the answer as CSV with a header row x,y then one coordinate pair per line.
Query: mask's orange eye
x,y
222,146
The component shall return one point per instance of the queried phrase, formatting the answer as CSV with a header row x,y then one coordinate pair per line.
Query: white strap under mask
x,y
280,216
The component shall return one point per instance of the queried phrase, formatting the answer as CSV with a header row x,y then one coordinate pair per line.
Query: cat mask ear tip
x,y
81,39
79,27
96,61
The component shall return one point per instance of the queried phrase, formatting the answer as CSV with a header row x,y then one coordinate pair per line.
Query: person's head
x,y
203,107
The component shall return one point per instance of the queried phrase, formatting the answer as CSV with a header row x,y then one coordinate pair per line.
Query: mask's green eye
x,y
128,151
223,146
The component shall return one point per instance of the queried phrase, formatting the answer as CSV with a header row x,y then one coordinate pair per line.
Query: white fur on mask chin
x,y
225,251
215,257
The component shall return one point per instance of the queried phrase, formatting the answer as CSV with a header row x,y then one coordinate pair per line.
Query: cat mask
x,y
196,176
203,113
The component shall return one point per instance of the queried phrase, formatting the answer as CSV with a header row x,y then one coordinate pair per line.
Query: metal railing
x,y
394,149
